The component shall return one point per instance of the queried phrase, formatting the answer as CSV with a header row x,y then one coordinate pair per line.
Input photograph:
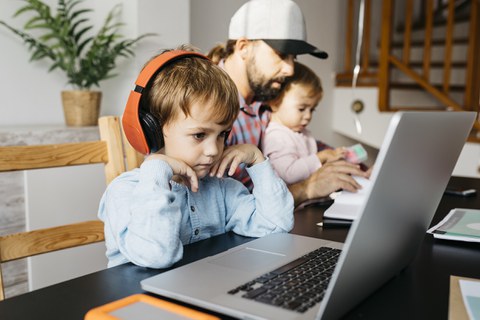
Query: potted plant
x,y
65,40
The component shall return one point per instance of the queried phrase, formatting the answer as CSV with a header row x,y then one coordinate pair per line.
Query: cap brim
x,y
288,46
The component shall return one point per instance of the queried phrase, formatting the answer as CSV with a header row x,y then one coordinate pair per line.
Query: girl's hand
x,y
180,169
329,155
234,155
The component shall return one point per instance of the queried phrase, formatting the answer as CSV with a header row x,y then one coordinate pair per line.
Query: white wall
x,y
52,199
31,95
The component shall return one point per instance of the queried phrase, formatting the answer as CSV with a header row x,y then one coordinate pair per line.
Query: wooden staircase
x,y
417,45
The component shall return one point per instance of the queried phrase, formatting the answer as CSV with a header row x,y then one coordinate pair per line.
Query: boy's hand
x,y
329,155
233,156
179,168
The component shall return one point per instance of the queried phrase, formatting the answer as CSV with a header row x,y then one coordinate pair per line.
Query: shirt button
x,y
197,232
192,208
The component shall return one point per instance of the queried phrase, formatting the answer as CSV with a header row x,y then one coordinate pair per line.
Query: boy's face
x,y
195,139
267,70
296,108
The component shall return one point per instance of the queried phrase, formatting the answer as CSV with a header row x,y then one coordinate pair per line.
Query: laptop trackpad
x,y
248,259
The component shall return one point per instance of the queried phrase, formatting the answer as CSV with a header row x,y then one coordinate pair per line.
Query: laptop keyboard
x,y
298,285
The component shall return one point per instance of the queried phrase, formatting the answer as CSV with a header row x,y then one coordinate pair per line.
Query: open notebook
x,y
347,205
288,276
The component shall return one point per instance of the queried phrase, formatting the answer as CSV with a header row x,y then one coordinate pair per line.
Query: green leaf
x,y
22,10
83,44
53,67
33,20
77,23
37,26
80,33
62,39
37,55
71,4
80,12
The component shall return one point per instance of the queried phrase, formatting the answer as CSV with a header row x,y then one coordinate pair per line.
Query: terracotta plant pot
x,y
81,107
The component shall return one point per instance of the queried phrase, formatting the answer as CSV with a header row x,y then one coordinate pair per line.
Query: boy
x,y
287,142
177,196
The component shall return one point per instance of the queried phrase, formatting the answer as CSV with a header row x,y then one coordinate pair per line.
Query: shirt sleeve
x,y
279,146
142,222
268,209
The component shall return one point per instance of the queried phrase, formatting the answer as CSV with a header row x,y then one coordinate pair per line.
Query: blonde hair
x,y
305,77
189,80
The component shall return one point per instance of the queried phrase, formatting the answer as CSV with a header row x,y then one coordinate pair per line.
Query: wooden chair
x,y
112,149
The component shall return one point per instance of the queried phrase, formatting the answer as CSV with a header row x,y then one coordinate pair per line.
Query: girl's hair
x,y
305,77
189,80
222,51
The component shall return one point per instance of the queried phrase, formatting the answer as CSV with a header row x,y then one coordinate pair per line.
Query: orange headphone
x,y
142,129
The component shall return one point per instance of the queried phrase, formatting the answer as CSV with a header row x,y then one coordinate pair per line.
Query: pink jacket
x,y
293,154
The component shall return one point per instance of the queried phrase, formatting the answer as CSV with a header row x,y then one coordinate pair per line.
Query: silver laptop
x,y
413,167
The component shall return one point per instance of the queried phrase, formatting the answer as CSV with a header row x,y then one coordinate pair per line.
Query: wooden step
x,y
414,86
433,64
421,43
437,22
345,81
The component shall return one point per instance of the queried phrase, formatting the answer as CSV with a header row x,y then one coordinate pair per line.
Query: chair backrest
x,y
121,155
112,150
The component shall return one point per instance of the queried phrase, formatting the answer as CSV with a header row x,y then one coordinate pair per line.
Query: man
x,y
265,36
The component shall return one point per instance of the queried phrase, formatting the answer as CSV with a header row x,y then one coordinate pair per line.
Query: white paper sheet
x,y
471,297
347,204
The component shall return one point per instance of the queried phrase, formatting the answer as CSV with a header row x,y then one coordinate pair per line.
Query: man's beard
x,y
262,89
264,92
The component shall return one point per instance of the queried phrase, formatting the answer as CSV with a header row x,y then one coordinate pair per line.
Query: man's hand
x,y
329,178
180,169
233,156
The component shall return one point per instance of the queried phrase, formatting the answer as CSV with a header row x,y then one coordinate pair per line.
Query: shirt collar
x,y
252,108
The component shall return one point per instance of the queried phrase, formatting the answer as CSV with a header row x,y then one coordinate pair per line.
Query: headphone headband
x,y
145,140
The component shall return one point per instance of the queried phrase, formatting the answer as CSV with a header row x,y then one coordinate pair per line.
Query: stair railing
x,y
387,60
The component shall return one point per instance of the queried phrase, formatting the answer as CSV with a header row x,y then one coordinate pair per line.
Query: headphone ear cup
x,y
152,130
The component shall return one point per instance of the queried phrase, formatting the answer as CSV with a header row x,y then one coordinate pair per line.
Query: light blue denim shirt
x,y
148,217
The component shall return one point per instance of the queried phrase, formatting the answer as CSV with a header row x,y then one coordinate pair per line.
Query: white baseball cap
x,y
279,23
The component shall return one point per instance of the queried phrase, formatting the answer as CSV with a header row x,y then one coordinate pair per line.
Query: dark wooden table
x,y
420,292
